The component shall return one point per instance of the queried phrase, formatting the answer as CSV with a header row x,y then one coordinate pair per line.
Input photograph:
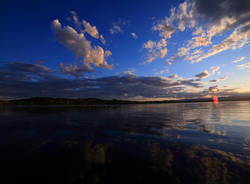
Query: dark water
x,y
161,143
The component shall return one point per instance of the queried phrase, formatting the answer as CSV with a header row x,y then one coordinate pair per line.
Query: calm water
x,y
155,143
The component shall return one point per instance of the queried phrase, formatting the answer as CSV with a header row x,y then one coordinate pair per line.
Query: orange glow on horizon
x,y
215,100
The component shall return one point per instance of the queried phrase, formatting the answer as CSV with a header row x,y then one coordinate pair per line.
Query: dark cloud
x,y
28,80
26,67
226,14
17,71
202,75
213,89
215,10
21,80
218,80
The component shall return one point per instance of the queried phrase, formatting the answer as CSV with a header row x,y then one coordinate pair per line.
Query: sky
x,y
136,50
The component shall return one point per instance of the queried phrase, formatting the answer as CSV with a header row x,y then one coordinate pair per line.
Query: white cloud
x,y
164,27
134,35
244,66
87,27
238,59
155,49
129,72
207,19
237,39
91,30
115,29
75,70
181,52
214,69
80,46
118,26
75,19
163,71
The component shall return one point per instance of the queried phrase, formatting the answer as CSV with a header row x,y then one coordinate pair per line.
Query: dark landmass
x,y
96,101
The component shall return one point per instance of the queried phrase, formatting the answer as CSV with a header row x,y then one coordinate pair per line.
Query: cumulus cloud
x,y
87,27
80,46
244,66
238,59
165,28
118,26
91,30
155,49
134,35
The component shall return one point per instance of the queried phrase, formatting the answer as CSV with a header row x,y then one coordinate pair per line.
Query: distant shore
x,y
96,101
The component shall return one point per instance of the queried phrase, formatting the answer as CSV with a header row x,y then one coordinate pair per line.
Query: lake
x,y
150,143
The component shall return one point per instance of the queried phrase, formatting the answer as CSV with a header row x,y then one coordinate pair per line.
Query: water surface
x,y
153,143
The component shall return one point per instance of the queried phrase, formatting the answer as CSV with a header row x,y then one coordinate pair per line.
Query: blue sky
x,y
171,49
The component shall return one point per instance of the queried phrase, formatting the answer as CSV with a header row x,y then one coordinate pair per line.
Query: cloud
x,y
165,28
238,59
207,19
181,52
214,69
75,19
118,26
80,46
218,80
134,35
155,49
213,89
19,82
17,71
86,27
237,39
202,75
244,66
163,71
26,67
206,73
129,72
75,70
91,30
